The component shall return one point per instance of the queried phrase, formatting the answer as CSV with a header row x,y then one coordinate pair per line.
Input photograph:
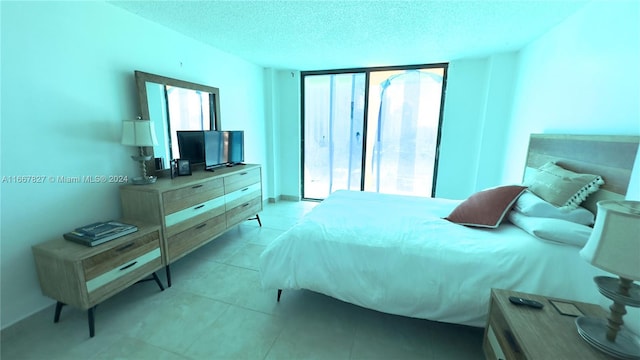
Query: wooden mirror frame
x,y
142,78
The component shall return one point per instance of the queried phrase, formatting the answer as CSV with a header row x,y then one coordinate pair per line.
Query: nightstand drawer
x,y
106,261
502,341
189,196
495,351
499,342
182,243
123,270
241,180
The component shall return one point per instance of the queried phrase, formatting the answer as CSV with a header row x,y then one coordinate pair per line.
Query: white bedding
x,y
397,255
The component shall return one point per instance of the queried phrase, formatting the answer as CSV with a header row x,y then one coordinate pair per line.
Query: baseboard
x,y
280,198
289,197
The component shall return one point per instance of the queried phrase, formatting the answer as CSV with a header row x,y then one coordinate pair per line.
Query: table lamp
x,y
614,246
140,133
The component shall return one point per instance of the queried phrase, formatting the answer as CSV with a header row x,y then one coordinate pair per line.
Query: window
x,y
372,129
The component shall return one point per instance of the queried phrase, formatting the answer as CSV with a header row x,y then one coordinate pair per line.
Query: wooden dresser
x,y
84,276
193,210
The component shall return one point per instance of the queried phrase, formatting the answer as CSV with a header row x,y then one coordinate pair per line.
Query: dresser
x,y
193,210
521,332
83,276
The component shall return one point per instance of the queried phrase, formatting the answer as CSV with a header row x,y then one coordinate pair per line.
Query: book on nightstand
x,y
100,232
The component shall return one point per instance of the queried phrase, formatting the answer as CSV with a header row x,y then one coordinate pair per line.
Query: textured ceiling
x,y
313,35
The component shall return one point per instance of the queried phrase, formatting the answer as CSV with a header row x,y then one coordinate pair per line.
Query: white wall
x,y
461,126
287,104
582,77
477,107
67,83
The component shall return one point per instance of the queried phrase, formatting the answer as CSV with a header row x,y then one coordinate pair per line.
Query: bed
x,y
399,255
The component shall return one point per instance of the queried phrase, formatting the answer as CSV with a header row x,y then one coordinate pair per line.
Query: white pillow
x,y
556,230
530,204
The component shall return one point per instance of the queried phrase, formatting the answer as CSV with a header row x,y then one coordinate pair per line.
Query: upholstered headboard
x,y
610,156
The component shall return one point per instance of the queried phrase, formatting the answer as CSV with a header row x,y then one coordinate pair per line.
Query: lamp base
x,y
141,157
609,287
594,331
143,180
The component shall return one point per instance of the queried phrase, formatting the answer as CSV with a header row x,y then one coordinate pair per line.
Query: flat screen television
x,y
215,153
235,147
211,148
191,146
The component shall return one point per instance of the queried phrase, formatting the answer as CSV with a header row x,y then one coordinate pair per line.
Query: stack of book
x,y
100,232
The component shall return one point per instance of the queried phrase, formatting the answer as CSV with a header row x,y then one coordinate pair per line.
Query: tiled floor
x,y
216,309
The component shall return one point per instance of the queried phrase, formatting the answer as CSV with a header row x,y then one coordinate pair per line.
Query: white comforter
x,y
397,255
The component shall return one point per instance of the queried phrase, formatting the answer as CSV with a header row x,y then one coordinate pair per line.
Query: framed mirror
x,y
175,105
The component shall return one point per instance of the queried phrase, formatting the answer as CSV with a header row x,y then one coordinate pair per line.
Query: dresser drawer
x,y
186,218
241,180
112,281
189,196
242,196
103,262
108,272
190,239
243,211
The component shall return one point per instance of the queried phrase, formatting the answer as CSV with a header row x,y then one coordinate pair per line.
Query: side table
x,y
521,332
84,276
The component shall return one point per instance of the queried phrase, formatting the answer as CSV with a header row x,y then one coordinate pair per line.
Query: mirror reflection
x,y
175,105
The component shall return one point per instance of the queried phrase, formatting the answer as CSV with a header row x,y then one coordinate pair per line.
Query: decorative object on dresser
x,y
99,233
183,167
614,246
523,332
140,133
194,210
84,276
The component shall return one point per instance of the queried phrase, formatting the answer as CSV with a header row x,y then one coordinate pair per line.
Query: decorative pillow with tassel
x,y
561,187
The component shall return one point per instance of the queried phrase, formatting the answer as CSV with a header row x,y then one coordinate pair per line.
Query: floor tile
x,y
217,308
237,334
247,257
130,348
178,321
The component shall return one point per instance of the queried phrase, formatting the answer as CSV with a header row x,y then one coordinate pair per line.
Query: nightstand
x,y
84,276
521,332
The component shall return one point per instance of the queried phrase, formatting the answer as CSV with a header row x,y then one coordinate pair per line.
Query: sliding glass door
x,y
372,129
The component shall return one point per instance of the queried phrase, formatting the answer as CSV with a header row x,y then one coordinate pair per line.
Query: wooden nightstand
x,y
521,332
84,276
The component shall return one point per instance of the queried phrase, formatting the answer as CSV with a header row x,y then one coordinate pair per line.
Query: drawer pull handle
x,y
198,207
245,189
243,173
125,247
128,266
196,186
245,205
200,226
512,342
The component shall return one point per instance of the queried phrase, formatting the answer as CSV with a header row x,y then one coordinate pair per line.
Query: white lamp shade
x,y
614,244
138,133
633,192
